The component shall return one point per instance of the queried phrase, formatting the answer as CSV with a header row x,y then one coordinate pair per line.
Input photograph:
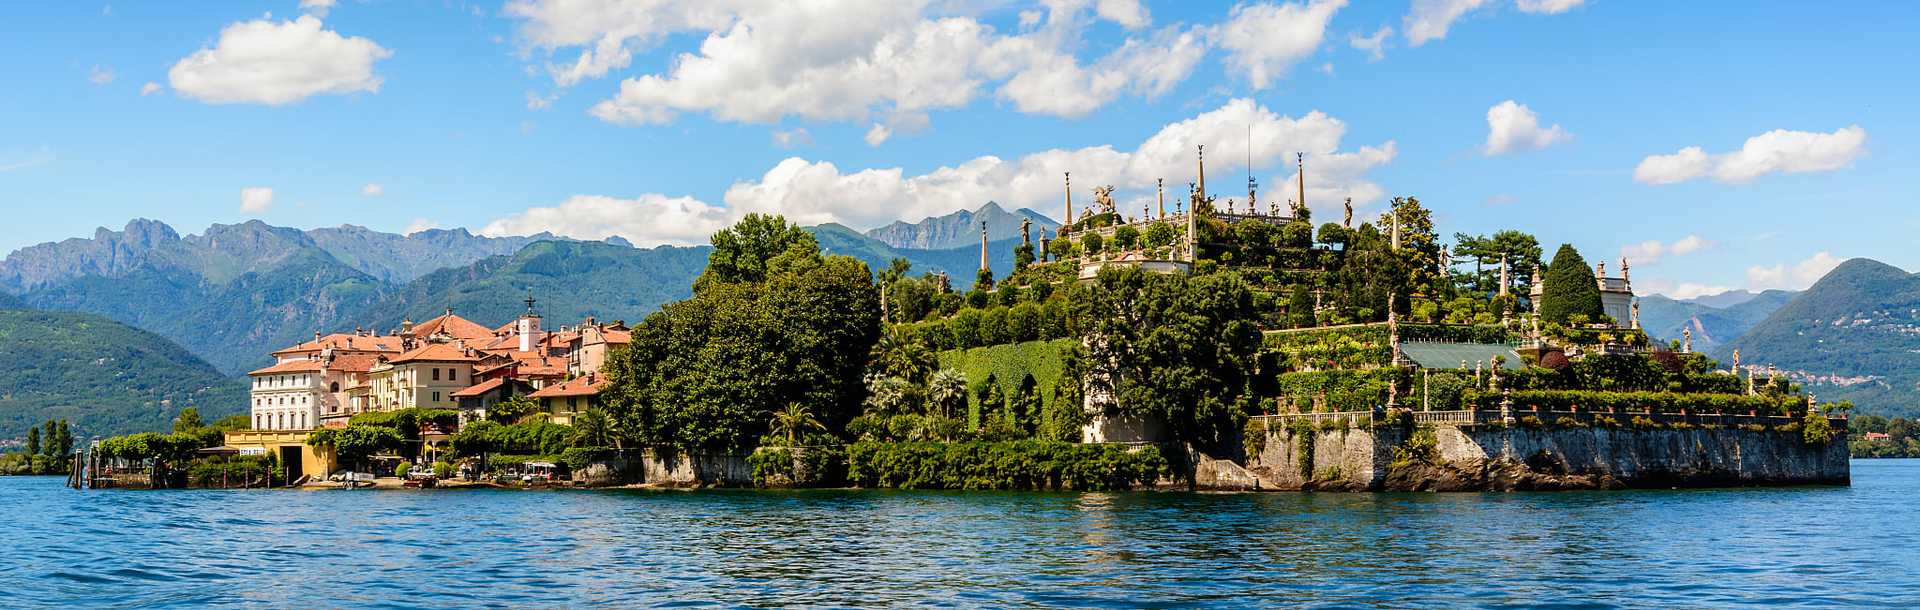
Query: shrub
x,y
1644,423
1029,464
577,458
1816,430
1568,422
401,469
1530,421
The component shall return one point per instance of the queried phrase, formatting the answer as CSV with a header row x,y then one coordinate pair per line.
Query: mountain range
x,y
962,228
1714,320
1854,335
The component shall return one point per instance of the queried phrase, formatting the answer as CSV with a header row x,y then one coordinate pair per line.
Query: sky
x,y
1716,145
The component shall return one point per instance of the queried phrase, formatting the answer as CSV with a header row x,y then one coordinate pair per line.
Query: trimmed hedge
x,y
1655,402
1343,390
1019,465
1009,364
1333,348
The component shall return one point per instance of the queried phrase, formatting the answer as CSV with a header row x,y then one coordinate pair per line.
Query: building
x,y
425,377
312,384
565,401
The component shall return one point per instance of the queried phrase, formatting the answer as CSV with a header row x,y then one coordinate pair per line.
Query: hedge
x,y
1655,402
1009,364
1333,348
1019,465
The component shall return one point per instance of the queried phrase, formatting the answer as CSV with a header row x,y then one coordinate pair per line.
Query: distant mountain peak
x,y
961,227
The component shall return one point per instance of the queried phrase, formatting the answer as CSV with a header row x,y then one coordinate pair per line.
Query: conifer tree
x,y
1571,287
33,441
66,439
49,432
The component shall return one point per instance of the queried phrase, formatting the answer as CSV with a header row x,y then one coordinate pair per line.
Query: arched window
x,y
335,388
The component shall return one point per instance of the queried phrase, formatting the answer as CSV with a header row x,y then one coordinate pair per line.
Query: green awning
x,y
1439,355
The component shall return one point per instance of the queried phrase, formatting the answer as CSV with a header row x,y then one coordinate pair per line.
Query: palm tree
x,y
900,354
947,388
794,420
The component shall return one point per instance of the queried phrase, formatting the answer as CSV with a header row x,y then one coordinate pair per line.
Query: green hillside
x,y
103,376
1712,326
572,280
1858,322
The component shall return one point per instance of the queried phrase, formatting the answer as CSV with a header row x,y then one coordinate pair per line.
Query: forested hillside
x,y
103,376
1854,335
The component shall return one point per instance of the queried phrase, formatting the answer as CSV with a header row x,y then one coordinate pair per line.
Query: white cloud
x,y
275,63
317,8
256,199
1796,276
418,225
1689,163
1430,19
1777,151
815,192
1512,126
1264,40
372,189
536,101
790,138
1651,251
1548,7
149,89
1374,45
100,75
762,61
1680,290
644,220
878,135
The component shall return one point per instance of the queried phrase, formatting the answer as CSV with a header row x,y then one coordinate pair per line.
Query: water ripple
x,y
191,549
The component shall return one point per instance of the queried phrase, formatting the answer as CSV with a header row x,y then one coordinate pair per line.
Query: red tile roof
x,y
480,388
454,326
580,386
292,366
347,342
354,363
436,352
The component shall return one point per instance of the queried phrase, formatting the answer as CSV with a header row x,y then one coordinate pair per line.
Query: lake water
x,y
1855,546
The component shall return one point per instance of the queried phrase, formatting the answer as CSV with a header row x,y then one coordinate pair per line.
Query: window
x,y
453,374
436,374
436,397
335,388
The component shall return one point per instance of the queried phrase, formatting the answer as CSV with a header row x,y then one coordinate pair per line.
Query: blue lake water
x,y
1853,546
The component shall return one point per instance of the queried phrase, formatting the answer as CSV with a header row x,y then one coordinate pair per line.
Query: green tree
x,y
1571,288
1175,348
65,440
1091,243
1124,238
189,419
946,392
1022,256
794,421
513,409
746,251
50,431
593,429
1159,235
354,444
1300,308
33,441
706,374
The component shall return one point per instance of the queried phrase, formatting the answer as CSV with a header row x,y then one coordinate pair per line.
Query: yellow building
x,y
565,401
426,377
296,458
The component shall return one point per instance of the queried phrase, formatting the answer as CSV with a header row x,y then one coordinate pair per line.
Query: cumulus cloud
x,y
1680,290
1430,19
1777,151
1511,126
149,89
100,75
1549,7
1374,45
878,135
275,63
1651,251
418,225
317,8
372,189
256,199
1795,276
812,192
790,138
647,219
1263,40
763,61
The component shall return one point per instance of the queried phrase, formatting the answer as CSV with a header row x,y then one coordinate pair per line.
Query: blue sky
x,y
402,114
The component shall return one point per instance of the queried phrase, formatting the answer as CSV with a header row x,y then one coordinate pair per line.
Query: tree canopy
x,y
745,252
1571,288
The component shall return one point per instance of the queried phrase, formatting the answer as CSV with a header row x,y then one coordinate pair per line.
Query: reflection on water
x,y
439,549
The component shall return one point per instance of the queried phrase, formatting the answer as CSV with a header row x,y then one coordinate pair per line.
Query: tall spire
x,y
1202,156
1301,160
983,245
1069,198
1160,186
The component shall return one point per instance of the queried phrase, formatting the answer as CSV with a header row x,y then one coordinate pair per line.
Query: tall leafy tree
x,y
707,374
1172,347
187,420
1571,288
65,440
745,251
49,432
33,441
